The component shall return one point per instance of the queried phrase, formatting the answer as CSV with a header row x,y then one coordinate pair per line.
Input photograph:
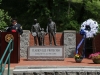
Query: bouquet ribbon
x,y
80,44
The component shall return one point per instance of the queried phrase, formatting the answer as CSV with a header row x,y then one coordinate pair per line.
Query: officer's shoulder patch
x,y
21,27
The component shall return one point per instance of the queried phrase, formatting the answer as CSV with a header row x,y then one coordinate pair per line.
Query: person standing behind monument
x,y
51,30
15,27
35,31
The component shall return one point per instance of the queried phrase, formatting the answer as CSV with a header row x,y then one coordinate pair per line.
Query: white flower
x,y
92,28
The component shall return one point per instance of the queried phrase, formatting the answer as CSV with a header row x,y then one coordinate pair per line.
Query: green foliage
x,y
67,21
99,28
68,14
4,18
0,0
93,10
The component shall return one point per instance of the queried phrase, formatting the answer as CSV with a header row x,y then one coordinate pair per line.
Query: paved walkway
x,y
66,62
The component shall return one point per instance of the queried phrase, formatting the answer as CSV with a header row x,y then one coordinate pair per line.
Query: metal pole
x,y
1,68
9,66
9,60
94,49
84,47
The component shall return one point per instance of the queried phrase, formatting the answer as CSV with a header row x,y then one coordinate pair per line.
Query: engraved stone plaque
x,y
45,53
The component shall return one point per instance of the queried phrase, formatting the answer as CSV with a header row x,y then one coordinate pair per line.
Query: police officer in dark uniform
x,y
15,27
51,30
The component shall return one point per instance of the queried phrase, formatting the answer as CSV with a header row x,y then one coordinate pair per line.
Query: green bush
x,y
4,19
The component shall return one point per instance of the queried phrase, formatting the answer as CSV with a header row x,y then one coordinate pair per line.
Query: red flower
x,y
95,55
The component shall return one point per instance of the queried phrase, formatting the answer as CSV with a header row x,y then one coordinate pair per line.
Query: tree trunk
x,y
69,3
50,4
81,14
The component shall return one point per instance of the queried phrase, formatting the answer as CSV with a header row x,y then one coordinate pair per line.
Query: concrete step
x,y
55,70
6,71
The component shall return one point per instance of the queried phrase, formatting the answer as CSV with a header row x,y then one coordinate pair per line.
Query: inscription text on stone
x,y
45,52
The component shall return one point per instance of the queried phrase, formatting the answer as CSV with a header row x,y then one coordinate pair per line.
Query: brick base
x,y
59,39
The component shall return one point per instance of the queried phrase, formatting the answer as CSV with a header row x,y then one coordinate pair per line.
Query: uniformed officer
x,y
51,30
15,27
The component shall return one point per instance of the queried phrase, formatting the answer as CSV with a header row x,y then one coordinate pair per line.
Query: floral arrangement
x,y
89,28
78,56
95,55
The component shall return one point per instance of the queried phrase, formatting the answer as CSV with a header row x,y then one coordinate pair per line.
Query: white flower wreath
x,y
89,28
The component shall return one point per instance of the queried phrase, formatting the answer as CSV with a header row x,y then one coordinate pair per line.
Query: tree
x,y
4,18
68,14
93,10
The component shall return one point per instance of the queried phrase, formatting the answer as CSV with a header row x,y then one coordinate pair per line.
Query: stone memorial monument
x,y
44,52
42,36
35,31
51,30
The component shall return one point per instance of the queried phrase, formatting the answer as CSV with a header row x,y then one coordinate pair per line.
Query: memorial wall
x,y
69,39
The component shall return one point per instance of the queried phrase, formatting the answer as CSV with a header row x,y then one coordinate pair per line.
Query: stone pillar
x,y
69,43
24,43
